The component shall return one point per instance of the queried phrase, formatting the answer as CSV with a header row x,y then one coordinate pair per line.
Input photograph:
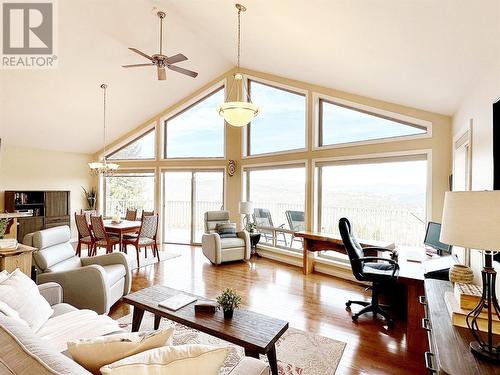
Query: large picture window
x,y
278,196
143,147
134,190
281,124
385,199
340,124
198,131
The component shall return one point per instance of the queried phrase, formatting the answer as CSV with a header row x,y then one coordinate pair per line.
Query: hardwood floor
x,y
313,303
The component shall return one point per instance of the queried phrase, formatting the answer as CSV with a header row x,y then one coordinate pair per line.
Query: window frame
x,y
102,185
369,110
221,85
245,146
245,194
423,154
134,138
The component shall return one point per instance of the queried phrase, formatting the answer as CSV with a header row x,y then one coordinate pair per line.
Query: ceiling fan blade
x,y
135,65
176,58
183,71
162,74
141,53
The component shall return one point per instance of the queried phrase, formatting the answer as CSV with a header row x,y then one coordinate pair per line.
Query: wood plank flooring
x,y
313,303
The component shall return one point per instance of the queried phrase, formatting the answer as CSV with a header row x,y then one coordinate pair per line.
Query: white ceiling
x,y
421,53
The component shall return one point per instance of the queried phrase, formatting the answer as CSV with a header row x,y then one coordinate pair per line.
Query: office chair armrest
x,y
394,253
372,259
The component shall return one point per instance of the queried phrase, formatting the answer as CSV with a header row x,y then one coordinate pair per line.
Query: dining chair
x,y
102,238
131,215
85,236
88,214
146,237
148,213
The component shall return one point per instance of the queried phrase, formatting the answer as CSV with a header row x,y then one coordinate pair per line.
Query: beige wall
x,y
33,169
440,144
477,109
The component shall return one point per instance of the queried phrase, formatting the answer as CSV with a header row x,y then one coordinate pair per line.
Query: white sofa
x,y
219,250
94,283
24,352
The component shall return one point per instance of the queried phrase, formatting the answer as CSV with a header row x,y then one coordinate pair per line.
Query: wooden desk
x,y
316,241
411,276
449,351
19,258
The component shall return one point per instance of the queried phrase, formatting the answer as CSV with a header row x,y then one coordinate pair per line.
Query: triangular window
x,y
140,148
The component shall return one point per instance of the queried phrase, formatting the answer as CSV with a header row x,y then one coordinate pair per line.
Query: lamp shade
x,y
238,113
471,219
246,208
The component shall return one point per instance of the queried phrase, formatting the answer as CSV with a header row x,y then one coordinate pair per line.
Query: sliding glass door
x,y
187,195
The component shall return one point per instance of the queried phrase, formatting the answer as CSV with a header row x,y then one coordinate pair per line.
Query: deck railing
x,y
399,225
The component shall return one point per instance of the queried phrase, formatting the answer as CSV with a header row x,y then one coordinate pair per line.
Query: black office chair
x,y
368,268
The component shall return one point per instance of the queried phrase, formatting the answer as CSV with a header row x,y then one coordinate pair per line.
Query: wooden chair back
x,y
131,215
98,228
82,226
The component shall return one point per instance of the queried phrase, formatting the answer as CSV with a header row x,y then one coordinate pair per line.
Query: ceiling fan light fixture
x,y
238,113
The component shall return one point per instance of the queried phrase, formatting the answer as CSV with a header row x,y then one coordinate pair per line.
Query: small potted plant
x,y
4,223
229,300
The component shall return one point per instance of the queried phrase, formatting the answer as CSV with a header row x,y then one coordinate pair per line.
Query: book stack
x,y
462,301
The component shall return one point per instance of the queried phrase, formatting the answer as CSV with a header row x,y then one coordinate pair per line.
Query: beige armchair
x,y
94,283
218,249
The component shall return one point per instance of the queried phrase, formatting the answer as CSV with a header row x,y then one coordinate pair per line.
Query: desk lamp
x,y
471,219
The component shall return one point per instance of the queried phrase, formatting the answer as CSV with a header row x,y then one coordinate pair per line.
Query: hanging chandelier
x,y
103,167
238,113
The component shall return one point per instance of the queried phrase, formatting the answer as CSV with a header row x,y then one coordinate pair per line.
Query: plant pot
x,y
228,314
461,274
91,202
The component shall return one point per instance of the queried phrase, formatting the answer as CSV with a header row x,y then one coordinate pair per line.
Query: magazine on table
x,y
176,302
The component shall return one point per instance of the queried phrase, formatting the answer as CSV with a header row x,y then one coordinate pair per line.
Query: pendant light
x,y
103,167
238,113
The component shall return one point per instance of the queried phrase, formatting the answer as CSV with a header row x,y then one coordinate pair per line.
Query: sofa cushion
x,y
47,258
99,351
62,308
21,294
64,265
115,272
171,360
23,353
77,324
226,243
50,237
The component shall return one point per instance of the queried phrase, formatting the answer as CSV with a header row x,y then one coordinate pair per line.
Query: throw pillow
x,y
3,276
226,230
171,360
21,294
11,313
96,352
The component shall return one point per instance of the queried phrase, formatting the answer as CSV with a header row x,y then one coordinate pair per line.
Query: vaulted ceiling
x,y
425,54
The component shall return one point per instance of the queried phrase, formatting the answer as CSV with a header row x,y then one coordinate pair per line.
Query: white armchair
x,y
219,250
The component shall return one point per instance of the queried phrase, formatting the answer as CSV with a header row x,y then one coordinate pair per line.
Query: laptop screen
x,y
432,237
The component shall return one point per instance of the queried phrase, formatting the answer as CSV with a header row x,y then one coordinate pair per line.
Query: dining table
x,y
121,228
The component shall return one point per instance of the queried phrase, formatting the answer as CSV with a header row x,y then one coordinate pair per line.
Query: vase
x,y
461,274
228,314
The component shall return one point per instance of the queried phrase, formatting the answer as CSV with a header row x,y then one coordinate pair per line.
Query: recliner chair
x,y
368,268
94,283
219,250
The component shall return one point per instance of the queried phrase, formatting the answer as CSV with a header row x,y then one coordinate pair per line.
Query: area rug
x,y
298,352
132,257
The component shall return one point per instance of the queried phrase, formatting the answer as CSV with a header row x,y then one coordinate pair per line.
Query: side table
x,y
254,240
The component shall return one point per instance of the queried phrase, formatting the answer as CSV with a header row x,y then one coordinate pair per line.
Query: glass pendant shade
x,y
238,113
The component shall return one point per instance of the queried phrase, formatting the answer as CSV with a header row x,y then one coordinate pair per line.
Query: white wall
x,y
34,169
477,106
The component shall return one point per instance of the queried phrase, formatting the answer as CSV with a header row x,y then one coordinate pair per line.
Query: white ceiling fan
x,y
162,61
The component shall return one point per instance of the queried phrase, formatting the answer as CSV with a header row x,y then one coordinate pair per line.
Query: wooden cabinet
x,y
50,209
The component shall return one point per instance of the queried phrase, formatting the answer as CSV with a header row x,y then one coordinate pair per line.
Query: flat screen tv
x,y
496,145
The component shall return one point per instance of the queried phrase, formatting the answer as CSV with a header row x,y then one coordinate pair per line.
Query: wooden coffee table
x,y
256,333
